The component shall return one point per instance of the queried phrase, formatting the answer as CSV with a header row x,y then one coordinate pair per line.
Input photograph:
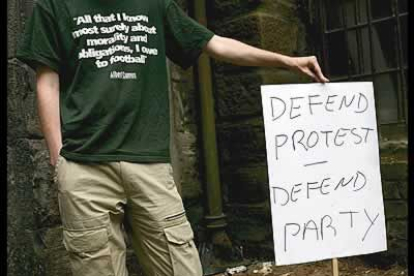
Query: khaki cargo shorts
x,y
96,200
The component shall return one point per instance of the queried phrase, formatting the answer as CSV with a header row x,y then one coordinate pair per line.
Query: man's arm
x,y
236,52
47,84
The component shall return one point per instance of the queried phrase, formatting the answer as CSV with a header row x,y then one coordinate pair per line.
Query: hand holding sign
x,y
324,177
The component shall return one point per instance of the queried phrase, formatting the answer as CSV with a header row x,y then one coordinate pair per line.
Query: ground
x,y
347,267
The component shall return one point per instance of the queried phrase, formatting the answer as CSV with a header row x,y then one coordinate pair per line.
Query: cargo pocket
x,y
89,251
183,252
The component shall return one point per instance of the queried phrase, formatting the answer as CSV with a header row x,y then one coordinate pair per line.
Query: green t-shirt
x,y
111,60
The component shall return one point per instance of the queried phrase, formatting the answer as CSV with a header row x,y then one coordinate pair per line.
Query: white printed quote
x,y
128,35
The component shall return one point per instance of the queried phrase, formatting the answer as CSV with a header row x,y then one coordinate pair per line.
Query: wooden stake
x,y
335,268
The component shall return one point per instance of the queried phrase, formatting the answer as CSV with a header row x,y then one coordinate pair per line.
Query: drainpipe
x,y
215,219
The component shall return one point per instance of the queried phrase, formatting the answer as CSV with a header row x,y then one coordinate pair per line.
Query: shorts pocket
x,y
89,251
85,241
183,252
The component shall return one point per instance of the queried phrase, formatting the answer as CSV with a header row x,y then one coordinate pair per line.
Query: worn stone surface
x,y
241,143
250,227
49,247
396,209
21,257
261,30
247,184
46,208
17,15
14,25
395,190
275,25
394,170
227,9
20,223
17,91
238,94
398,230
184,150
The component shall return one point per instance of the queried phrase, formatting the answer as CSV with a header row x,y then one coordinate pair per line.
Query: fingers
x,y
318,72
310,74
310,67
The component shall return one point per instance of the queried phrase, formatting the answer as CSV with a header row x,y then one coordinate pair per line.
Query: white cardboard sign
x,y
324,171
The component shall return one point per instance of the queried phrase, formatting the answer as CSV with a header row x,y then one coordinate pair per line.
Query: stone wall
x,y
27,190
280,25
185,147
272,25
394,173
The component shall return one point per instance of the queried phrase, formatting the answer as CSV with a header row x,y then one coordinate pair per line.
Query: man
x,y
103,106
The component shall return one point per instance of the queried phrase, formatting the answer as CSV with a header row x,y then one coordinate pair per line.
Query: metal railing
x,y
342,18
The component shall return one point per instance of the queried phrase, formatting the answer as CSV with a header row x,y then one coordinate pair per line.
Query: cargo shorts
x,y
98,201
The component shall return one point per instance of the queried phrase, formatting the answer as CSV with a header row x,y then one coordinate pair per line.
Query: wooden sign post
x,y
324,171
335,268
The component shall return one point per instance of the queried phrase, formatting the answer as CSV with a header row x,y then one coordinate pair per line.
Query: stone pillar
x,y
394,174
272,25
185,144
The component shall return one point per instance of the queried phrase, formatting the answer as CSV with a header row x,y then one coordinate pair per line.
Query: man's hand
x,y
236,52
309,66
54,155
47,84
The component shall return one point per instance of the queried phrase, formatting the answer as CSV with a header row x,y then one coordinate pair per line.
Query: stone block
x,y
397,230
398,251
188,177
260,29
33,127
239,94
184,149
396,254
22,116
18,12
224,9
395,149
395,170
390,190
403,189
250,223
241,143
20,222
46,207
16,93
50,249
396,209
395,190
14,27
246,184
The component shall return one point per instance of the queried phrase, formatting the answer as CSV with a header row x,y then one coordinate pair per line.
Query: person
x,y
101,79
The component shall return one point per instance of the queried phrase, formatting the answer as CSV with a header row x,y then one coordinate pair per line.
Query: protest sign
x,y
324,171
